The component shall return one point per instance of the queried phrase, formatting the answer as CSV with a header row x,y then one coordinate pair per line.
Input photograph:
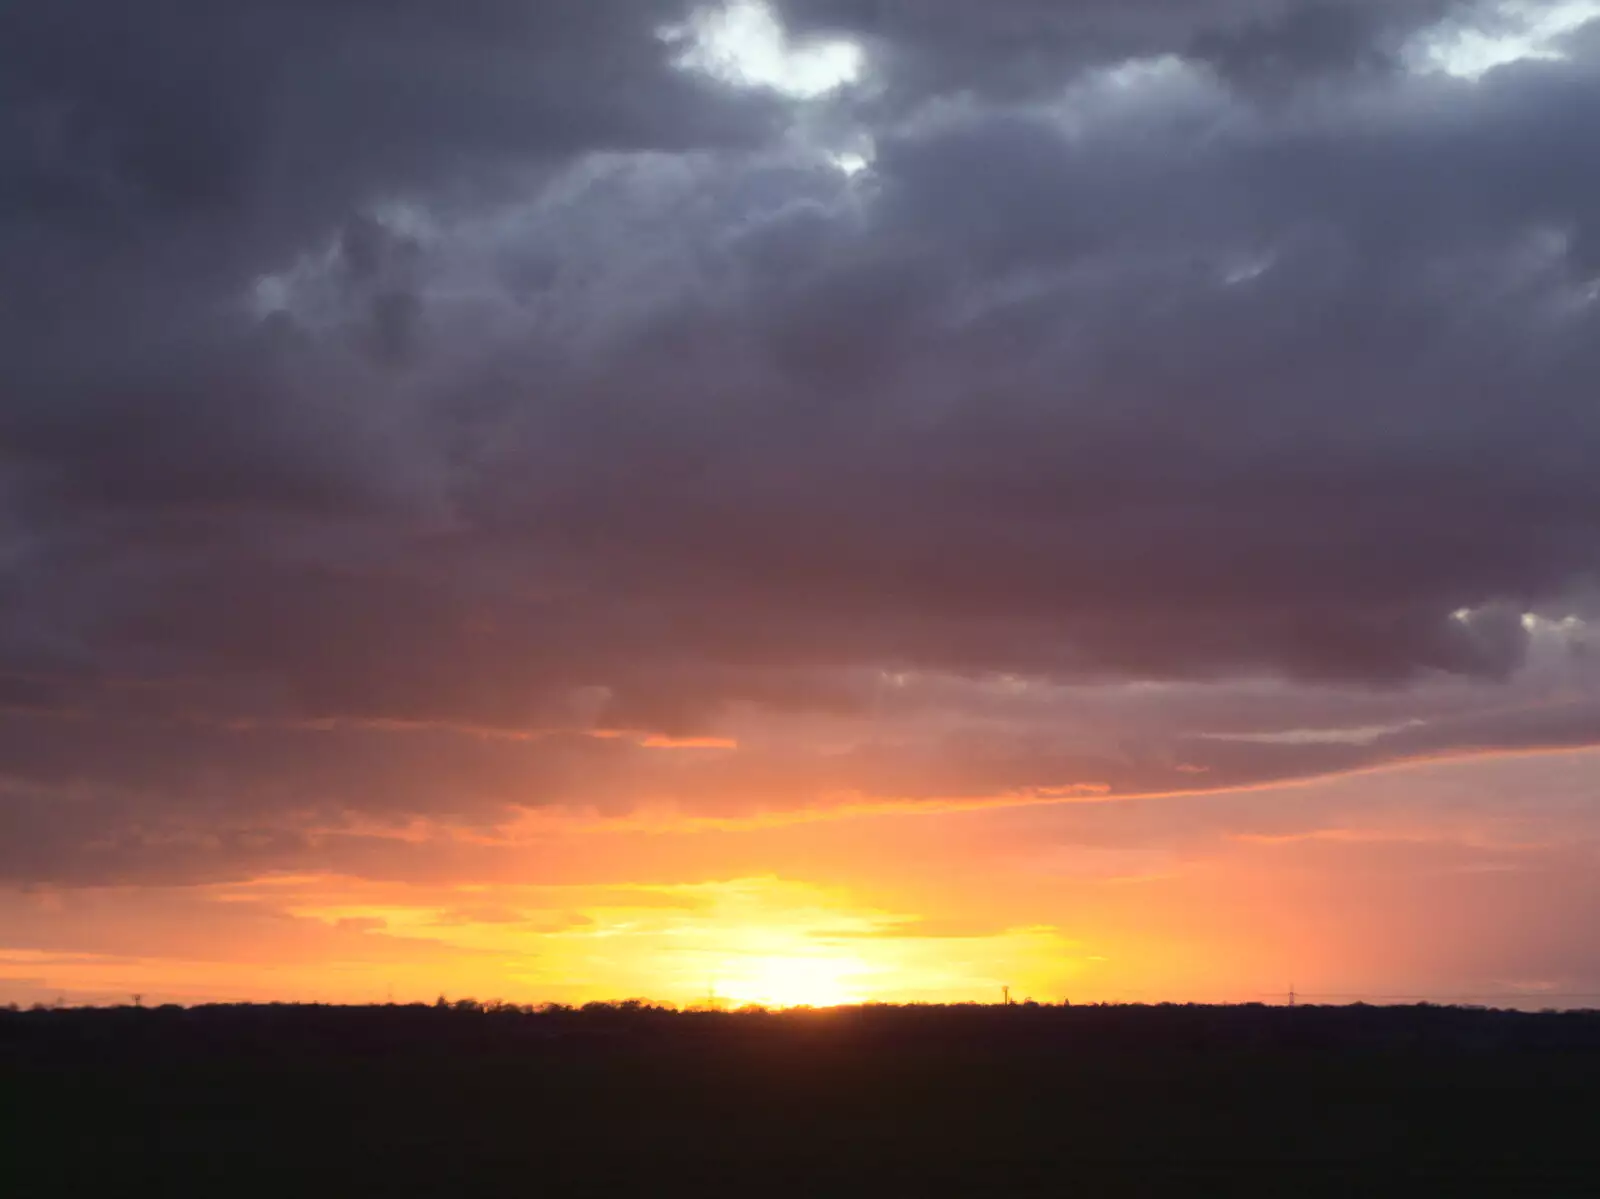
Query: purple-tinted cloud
x,y
396,399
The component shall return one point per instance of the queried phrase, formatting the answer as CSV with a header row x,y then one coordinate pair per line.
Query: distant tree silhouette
x,y
1074,1097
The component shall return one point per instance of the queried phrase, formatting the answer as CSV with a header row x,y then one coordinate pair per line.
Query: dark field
x,y
874,1101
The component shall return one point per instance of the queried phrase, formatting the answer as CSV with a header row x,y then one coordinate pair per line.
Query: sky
x,y
801,501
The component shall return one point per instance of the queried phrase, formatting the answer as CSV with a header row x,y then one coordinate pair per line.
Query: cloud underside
x,y
441,410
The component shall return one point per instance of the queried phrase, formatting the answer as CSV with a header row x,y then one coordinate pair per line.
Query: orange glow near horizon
x,y
760,941
1410,892
766,941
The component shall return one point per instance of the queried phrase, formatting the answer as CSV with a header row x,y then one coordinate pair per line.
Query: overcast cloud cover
x,y
420,409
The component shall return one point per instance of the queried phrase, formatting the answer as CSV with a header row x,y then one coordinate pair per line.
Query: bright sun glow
x,y
815,980
744,44
768,941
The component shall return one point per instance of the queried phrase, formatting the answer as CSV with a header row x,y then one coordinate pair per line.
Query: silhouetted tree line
x,y
1085,1030
467,1097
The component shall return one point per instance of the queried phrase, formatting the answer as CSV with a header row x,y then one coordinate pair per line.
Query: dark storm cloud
x,y
154,159
419,376
182,111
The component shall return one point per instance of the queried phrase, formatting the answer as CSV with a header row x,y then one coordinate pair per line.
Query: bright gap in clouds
x,y
1513,31
851,163
743,43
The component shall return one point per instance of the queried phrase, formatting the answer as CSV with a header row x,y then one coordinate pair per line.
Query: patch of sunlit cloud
x,y
1363,735
744,44
1514,31
850,162
1245,270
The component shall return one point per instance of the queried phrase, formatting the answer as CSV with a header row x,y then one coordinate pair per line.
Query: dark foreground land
x,y
883,1101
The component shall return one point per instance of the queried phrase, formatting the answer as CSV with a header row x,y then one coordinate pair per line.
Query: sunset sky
x,y
804,502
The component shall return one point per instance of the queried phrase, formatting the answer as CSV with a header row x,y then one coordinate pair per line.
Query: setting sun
x,y
817,980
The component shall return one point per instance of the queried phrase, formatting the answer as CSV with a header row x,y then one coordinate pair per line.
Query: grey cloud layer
x,y
471,367
1012,48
